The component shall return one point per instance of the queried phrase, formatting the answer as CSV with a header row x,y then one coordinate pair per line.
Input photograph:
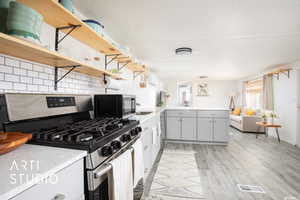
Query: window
x,y
184,95
253,93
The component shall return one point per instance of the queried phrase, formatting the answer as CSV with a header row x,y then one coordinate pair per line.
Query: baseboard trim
x,y
195,142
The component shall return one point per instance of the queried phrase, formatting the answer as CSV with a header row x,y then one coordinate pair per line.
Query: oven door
x,y
129,105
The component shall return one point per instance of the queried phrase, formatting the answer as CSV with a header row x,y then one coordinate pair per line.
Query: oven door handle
x,y
103,170
106,168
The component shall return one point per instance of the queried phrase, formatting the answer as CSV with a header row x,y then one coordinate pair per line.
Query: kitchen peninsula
x,y
193,124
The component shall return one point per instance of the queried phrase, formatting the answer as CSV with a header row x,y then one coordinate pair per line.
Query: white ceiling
x,y
230,39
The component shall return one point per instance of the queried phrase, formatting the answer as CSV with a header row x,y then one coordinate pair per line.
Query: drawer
x,y
213,113
181,113
67,184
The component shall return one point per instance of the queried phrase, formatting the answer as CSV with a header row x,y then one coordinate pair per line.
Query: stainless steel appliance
x,y
65,121
114,105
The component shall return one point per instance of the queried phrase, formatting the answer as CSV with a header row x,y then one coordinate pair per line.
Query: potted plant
x,y
273,115
264,118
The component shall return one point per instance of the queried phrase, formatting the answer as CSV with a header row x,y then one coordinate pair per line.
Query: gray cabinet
x,y
205,129
163,125
188,128
202,125
181,128
221,126
173,128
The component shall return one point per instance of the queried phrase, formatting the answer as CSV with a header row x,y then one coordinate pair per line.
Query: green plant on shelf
x,y
115,71
160,104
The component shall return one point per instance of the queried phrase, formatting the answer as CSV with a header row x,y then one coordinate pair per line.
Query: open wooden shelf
x,y
57,16
136,67
279,71
22,49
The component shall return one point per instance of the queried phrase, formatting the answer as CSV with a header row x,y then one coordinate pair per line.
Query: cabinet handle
x,y
146,147
59,197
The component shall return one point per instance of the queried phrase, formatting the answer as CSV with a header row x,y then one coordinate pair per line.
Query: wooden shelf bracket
x,y
136,74
57,42
56,79
277,73
123,65
112,57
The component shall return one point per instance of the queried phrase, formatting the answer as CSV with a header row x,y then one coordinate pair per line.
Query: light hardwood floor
x,y
246,160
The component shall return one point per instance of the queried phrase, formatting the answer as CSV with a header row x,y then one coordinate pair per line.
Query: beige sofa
x,y
245,123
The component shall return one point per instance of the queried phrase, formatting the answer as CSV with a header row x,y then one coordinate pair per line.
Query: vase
x,y
264,120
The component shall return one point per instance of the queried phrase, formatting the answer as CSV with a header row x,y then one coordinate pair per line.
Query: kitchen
x,y
92,109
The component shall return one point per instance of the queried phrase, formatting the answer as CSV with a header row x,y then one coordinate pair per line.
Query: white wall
x,y
17,75
285,106
286,102
219,92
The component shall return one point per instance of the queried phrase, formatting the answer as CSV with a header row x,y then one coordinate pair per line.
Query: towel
x,y
159,129
138,162
154,132
122,177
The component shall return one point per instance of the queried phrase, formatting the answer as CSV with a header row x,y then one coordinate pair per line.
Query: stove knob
x,y
134,132
139,129
106,151
116,145
126,138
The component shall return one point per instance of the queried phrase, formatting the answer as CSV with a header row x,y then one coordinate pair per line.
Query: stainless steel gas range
x,y
65,121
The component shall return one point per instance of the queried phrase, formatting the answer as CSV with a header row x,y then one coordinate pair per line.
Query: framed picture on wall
x,y
202,90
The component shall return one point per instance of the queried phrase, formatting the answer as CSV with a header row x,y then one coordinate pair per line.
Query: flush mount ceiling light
x,y
203,77
183,51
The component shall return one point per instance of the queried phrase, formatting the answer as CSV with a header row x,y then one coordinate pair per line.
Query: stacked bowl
x,y
24,22
4,6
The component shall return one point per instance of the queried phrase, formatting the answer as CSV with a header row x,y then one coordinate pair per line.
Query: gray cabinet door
x,y
205,129
221,130
173,128
189,128
163,125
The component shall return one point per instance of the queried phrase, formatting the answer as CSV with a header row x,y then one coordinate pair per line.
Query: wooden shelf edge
x,y
278,71
47,7
22,49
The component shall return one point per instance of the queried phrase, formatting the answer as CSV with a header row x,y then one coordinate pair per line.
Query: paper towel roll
x,y
110,83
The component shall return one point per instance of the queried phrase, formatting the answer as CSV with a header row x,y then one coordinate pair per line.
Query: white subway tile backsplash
x,y
5,85
48,82
19,86
12,78
49,70
32,74
25,79
11,62
19,71
33,88
38,81
1,60
6,69
43,75
23,76
38,68
43,88
26,65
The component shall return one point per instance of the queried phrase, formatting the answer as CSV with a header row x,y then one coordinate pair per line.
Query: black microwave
x,y
114,105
